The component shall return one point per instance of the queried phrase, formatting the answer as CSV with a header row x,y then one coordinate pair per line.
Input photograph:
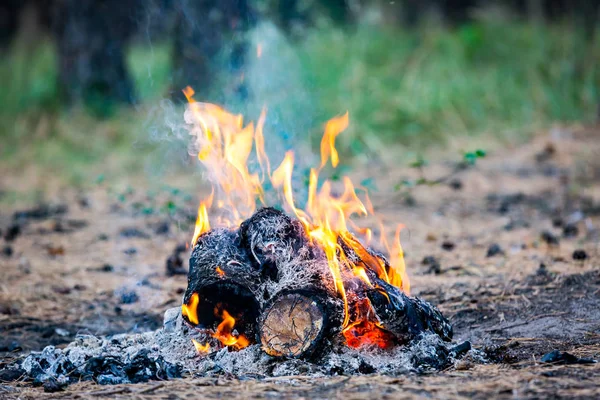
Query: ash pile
x,y
263,300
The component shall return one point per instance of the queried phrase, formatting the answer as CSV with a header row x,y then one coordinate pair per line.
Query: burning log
x,y
221,285
267,280
404,316
296,322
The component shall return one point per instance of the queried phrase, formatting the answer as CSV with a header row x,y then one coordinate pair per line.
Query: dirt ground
x,y
94,261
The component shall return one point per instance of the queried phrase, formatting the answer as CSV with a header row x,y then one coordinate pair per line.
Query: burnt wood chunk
x,y
221,276
271,237
294,323
405,316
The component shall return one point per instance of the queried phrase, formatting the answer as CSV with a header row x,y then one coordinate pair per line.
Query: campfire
x,y
296,281
272,292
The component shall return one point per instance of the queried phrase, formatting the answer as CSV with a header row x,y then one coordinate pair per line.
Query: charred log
x,y
271,237
279,249
221,278
295,323
406,317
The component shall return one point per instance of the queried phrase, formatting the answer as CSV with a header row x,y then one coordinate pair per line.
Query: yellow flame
x,y
201,348
190,310
334,127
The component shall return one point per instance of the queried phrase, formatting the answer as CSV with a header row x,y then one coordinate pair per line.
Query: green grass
x,y
417,87
412,88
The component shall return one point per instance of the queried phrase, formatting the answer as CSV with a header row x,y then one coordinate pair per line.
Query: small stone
x,y
24,265
448,245
130,251
494,250
464,365
102,236
580,255
172,319
431,237
61,332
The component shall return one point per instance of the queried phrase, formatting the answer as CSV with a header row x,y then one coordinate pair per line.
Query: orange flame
x,y
224,146
225,336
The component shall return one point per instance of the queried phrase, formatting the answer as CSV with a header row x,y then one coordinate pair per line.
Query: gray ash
x,y
168,353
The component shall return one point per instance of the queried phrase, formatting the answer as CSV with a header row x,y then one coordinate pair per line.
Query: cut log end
x,y
292,325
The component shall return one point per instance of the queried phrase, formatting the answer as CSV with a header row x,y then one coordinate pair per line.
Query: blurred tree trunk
x,y
91,36
535,11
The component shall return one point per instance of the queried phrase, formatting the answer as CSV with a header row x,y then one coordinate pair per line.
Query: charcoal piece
x,y
53,386
448,245
455,184
570,231
142,368
128,297
42,211
132,232
404,316
11,374
580,255
460,349
222,278
12,232
96,367
494,250
294,323
433,263
559,357
549,238
7,251
272,237
174,264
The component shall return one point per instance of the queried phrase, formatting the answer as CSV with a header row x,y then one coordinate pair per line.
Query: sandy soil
x,y
73,271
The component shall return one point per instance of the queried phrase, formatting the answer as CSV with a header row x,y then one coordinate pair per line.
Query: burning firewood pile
x,y
272,292
267,283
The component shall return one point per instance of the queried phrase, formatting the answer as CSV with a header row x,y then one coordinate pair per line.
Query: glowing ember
x,y
201,348
225,333
366,334
224,145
